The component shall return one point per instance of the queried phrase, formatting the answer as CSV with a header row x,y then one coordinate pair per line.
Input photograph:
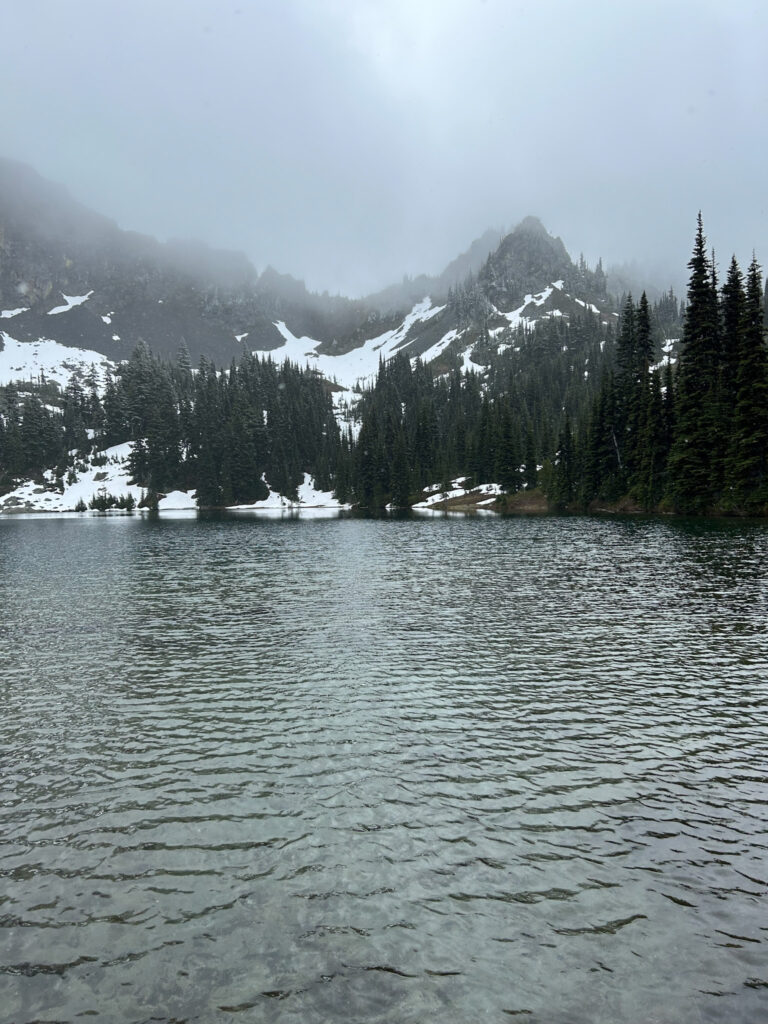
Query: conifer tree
x,y
564,471
694,477
732,310
651,471
748,469
401,473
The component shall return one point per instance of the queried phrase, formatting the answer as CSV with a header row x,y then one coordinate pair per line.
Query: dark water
x,y
444,770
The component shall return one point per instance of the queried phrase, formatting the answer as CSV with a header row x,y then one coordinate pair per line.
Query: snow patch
x,y
517,318
70,301
361,363
176,501
468,365
439,347
436,495
6,314
309,497
27,360
110,478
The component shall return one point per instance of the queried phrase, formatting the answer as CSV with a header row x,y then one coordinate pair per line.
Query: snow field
x,y
69,302
28,360
361,363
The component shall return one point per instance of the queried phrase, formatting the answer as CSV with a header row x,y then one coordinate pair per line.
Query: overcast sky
x,y
351,141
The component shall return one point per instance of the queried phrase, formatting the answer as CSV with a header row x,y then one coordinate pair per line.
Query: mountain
x,y
72,277
119,287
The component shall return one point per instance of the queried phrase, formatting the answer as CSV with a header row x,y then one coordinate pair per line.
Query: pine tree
x,y
732,310
401,474
562,492
651,473
531,471
694,477
748,469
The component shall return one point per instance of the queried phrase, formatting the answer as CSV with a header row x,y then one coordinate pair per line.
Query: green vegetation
x,y
590,413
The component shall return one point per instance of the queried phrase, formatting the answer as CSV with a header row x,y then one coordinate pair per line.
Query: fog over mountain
x,y
349,142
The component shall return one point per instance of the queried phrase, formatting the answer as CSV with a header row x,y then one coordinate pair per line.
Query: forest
x,y
596,417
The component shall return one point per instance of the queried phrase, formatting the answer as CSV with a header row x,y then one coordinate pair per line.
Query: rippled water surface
x,y
440,770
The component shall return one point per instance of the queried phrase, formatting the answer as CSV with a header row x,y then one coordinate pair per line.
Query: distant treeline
x,y
591,414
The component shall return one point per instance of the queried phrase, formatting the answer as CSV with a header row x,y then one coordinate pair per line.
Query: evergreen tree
x,y
748,469
562,492
694,475
401,473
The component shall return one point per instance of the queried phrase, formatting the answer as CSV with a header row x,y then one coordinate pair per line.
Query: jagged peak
x,y
530,225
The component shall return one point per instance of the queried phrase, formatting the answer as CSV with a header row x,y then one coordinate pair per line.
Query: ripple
x,y
362,770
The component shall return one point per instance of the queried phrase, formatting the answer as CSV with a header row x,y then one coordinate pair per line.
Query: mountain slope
x,y
72,277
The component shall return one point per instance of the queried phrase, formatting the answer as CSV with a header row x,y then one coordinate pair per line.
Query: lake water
x,y
364,770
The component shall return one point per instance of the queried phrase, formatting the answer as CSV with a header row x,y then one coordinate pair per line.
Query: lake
x,y
444,770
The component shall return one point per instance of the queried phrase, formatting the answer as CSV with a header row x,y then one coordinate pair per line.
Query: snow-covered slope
x,y
361,363
428,332
33,360
73,280
86,482
479,497
308,497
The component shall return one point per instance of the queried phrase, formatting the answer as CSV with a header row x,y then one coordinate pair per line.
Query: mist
x,y
350,142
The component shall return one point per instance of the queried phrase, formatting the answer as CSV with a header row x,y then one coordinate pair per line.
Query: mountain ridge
x,y
182,294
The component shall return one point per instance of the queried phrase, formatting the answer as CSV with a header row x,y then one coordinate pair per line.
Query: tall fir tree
x,y
748,463
695,480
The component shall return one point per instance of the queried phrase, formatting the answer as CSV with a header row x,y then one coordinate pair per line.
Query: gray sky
x,y
351,141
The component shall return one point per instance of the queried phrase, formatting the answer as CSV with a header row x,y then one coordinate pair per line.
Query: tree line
x,y
692,438
595,415
226,435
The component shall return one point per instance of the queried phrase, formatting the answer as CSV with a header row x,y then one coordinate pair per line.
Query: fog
x,y
349,142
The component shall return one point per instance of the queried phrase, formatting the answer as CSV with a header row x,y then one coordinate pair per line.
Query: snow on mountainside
x,y
428,331
45,358
73,279
359,364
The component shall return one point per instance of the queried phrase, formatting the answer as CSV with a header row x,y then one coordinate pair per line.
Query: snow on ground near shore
x,y
436,495
111,478
177,501
27,360
309,498
359,364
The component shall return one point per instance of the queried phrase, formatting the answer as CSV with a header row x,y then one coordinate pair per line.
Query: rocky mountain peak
x,y
527,260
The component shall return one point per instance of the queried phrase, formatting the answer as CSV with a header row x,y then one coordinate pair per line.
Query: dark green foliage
x,y
748,468
222,434
603,469
696,456
608,425
563,480
696,438
653,447
103,501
